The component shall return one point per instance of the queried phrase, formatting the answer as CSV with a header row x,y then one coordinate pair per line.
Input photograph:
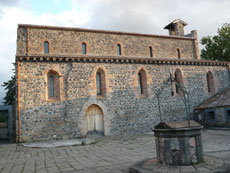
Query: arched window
x,y
210,82
83,48
100,83
142,82
179,80
46,47
150,51
118,49
178,53
53,85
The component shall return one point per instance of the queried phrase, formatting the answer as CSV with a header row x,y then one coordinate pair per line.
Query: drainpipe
x,y
18,100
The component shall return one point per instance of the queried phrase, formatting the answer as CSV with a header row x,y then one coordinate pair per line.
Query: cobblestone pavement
x,y
108,154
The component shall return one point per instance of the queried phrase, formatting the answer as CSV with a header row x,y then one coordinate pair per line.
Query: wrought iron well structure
x,y
179,142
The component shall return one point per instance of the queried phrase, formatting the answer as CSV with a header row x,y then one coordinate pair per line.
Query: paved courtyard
x,y
108,154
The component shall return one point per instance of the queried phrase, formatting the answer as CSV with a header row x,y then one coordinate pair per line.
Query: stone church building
x,y
75,82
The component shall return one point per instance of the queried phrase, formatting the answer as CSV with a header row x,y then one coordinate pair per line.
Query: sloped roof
x,y
177,124
221,99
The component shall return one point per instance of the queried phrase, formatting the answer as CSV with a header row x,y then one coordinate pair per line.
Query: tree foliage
x,y
218,46
10,87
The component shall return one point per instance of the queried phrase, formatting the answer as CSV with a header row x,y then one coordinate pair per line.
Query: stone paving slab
x,y
64,143
211,164
108,154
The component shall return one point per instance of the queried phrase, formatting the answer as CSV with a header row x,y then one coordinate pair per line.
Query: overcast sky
x,y
143,16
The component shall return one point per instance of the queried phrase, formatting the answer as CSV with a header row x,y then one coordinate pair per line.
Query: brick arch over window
x,y
118,49
100,82
105,76
142,82
210,82
142,79
179,79
53,85
46,47
84,47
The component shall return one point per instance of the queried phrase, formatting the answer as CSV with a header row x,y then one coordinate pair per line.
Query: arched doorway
x,y
95,120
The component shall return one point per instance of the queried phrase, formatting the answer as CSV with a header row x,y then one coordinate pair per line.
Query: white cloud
x,y
66,18
10,17
148,16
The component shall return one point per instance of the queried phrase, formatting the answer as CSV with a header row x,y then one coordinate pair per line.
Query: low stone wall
x,y
219,117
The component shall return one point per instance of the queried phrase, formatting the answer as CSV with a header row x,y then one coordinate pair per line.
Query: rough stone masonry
x,y
127,102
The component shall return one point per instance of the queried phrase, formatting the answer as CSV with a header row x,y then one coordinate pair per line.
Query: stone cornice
x,y
101,31
118,59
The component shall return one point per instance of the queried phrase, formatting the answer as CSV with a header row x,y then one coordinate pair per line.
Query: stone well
x,y
178,143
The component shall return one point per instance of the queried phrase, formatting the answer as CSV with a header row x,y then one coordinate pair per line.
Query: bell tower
x,y
176,27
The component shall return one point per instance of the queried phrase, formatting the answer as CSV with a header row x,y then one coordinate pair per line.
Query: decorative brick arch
x,y
101,81
61,94
121,47
87,47
82,124
105,84
146,82
50,46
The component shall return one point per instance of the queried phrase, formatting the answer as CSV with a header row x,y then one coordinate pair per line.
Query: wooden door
x,y
95,120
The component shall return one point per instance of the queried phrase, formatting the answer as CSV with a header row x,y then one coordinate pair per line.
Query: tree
x,y
10,87
218,46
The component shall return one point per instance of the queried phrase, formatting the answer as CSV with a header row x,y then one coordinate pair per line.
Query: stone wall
x,y
220,120
68,41
125,110
3,131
